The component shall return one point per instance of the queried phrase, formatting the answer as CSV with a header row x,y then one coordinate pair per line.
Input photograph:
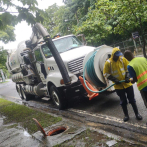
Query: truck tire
x,y
57,98
18,88
26,96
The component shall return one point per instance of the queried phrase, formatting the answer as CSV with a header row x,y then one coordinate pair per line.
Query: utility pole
x,y
135,35
135,46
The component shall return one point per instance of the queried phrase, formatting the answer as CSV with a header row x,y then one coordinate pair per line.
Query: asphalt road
x,y
106,105
8,89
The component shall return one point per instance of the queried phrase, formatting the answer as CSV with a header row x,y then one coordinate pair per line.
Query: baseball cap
x,y
118,53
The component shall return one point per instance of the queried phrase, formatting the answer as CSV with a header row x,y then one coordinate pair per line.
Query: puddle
x,y
25,133
16,136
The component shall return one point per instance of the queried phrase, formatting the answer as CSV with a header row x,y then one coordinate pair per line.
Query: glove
x,y
115,80
127,77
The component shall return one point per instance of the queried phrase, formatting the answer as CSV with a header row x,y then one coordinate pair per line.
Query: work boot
x,y
125,110
138,116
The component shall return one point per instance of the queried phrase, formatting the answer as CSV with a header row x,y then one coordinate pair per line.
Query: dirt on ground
x,y
91,138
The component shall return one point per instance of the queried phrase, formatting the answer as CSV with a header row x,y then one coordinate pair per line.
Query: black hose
x,y
58,60
43,32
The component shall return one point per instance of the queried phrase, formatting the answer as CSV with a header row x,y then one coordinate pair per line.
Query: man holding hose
x,y
115,69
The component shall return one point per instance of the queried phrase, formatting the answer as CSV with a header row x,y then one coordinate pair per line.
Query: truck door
x,y
40,65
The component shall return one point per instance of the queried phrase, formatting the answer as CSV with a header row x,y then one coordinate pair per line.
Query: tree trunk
x,y
143,47
77,17
143,37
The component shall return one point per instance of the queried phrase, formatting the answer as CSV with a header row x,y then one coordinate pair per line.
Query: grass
x,y
23,115
4,82
12,126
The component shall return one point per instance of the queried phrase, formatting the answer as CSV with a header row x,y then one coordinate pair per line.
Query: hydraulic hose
x,y
91,72
92,75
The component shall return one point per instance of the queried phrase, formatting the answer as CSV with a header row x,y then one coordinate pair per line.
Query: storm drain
x,y
55,131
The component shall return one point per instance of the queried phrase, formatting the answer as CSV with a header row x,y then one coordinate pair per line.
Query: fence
x,y
134,45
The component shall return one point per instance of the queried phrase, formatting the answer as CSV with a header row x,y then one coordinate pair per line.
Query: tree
x,y
65,19
116,17
7,35
22,10
78,9
131,17
53,17
3,58
77,15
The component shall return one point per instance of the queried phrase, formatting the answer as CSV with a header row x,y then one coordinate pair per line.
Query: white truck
x,y
37,70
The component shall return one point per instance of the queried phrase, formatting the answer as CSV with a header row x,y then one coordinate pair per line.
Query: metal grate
x,y
76,65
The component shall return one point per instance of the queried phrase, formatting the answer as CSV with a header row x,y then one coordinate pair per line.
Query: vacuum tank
x,y
15,59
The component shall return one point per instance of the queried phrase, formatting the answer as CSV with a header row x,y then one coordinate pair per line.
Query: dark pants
x,y
126,93
144,97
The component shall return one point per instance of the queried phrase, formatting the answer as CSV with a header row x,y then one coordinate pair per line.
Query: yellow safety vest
x,y
139,64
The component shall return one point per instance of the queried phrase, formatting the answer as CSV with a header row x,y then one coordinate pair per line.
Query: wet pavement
x,y
104,109
11,136
103,105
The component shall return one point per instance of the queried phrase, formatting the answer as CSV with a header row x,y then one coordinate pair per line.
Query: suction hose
x,y
54,52
92,75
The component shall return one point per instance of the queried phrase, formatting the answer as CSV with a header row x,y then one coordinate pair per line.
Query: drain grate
x,y
56,131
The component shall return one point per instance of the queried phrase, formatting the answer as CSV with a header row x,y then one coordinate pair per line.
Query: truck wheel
x,y
18,88
57,98
26,96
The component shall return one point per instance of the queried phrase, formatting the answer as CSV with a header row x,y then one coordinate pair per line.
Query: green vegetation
x,y
121,18
23,115
4,82
13,12
12,126
101,21
3,58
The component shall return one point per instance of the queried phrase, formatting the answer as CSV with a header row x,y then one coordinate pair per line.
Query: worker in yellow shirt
x,y
115,69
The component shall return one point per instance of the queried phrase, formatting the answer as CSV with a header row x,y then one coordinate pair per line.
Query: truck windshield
x,y
67,43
